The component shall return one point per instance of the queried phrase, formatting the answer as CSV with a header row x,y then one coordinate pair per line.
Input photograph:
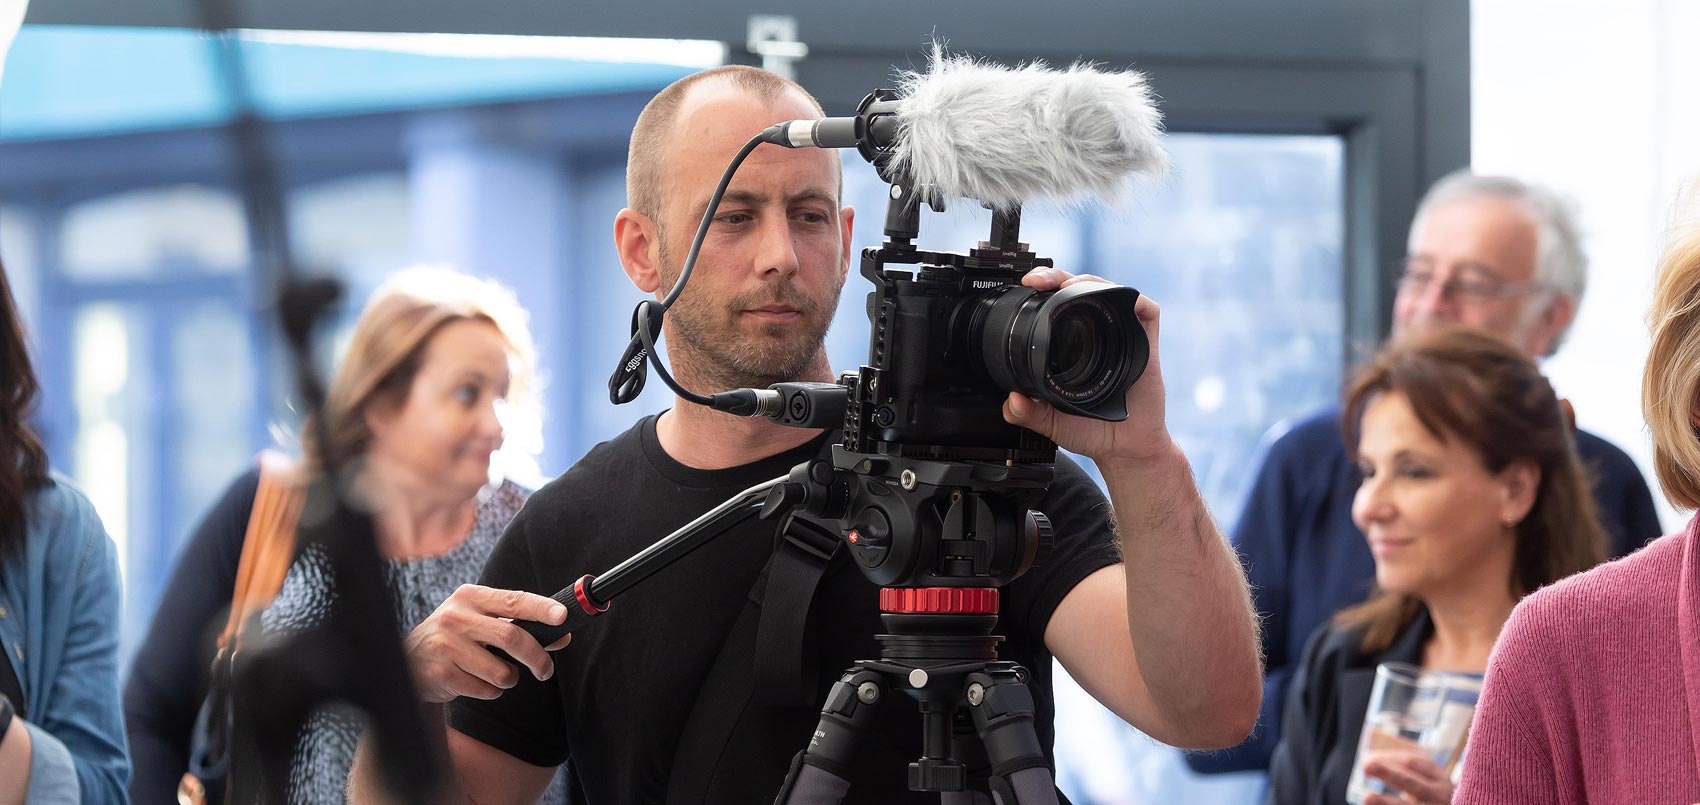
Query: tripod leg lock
x,y
844,719
1002,709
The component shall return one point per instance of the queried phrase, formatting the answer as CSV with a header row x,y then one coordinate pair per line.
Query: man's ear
x,y
1554,319
638,240
846,221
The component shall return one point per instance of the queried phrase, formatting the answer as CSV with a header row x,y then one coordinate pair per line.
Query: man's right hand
x,y
449,651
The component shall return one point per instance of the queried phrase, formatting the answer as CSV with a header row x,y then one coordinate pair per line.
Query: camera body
x,y
922,393
951,338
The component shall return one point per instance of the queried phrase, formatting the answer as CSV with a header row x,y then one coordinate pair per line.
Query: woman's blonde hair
x,y
1670,387
388,346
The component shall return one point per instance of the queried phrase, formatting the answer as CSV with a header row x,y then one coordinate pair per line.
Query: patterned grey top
x,y
324,753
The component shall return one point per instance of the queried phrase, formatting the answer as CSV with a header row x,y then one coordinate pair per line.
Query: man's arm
x,y
1165,640
1263,538
1168,640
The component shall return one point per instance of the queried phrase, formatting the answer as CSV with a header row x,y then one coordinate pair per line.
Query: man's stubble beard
x,y
710,344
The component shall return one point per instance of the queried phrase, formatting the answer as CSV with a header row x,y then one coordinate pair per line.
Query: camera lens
x,y
1079,349
1074,356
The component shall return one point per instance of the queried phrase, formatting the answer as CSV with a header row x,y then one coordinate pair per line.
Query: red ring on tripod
x,y
584,602
939,600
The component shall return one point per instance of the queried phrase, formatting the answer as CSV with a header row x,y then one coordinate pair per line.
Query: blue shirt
x,y
1306,560
59,602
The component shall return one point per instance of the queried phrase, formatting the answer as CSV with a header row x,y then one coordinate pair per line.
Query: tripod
x,y
943,670
939,649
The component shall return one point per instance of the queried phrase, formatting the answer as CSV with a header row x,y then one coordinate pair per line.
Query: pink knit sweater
x,y
1593,686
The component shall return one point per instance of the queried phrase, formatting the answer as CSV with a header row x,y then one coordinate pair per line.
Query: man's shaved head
x,y
646,160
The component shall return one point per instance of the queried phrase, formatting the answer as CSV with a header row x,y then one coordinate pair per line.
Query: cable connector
x,y
748,402
806,404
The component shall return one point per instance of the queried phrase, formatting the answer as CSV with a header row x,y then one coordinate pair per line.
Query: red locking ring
x,y
584,602
939,600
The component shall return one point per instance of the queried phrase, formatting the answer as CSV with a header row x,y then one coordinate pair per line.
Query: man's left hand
x,y
1143,435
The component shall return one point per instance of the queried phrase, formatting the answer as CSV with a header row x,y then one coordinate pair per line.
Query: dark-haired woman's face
x,y
442,436
1435,517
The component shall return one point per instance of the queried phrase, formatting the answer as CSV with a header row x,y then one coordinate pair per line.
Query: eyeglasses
x,y
1473,288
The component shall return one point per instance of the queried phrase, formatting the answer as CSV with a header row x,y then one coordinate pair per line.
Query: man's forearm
x,y
1189,607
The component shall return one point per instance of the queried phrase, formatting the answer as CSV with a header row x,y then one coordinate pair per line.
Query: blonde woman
x,y
437,362
1593,693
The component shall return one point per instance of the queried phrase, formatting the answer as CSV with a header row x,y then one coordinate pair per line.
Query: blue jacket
x,y
1306,560
59,604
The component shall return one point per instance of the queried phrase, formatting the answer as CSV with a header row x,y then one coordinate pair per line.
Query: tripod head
x,y
915,522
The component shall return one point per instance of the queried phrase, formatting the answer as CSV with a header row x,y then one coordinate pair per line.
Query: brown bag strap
x,y
268,545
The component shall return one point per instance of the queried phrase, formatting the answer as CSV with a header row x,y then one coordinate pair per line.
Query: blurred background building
x,y
492,138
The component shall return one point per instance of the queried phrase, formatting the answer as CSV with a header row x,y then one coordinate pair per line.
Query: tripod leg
x,y
820,774
1002,709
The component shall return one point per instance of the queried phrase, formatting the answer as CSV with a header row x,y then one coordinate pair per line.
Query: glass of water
x,y
1414,710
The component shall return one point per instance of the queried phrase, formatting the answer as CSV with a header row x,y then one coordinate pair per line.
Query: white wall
x,y
1600,100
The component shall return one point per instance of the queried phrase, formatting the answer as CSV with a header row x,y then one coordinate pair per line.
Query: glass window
x,y
212,407
357,227
17,253
1242,246
104,390
159,230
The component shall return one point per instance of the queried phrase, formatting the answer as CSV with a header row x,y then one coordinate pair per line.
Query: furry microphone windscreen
x,y
1006,135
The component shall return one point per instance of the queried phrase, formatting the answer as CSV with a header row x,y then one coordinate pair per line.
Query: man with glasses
x,y
1485,252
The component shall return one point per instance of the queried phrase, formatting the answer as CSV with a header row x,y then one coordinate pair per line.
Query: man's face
x,y
1472,263
766,283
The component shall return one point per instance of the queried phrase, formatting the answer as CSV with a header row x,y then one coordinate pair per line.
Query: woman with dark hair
x,y
1472,497
61,732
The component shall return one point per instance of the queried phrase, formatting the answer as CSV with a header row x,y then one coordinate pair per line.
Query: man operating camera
x,y
1145,605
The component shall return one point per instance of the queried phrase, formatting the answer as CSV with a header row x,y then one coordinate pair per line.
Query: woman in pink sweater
x,y
1593,692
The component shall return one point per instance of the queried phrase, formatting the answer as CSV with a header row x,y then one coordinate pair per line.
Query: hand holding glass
x,y
1412,710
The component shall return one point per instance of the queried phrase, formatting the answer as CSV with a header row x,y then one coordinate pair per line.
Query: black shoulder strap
x,y
786,675
767,638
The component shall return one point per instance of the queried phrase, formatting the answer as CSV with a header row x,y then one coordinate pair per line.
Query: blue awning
x,y
77,81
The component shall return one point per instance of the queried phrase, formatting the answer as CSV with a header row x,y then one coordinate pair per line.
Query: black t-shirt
x,y
621,693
